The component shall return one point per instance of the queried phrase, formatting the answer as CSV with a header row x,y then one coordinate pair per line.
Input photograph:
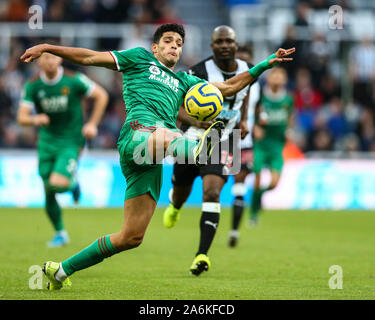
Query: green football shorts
x,y
62,160
142,176
268,156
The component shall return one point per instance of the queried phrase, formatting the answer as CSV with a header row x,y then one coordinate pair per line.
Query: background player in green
x,y
153,94
55,94
274,115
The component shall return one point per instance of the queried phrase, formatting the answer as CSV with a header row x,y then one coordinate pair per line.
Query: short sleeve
x,y
27,96
84,84
126,58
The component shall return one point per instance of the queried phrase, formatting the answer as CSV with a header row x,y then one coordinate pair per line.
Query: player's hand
x,y
258,132
33,53
281,55
203,124
244,128
90,130
41,120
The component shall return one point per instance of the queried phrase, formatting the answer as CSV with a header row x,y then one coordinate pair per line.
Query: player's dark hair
x,y
169,27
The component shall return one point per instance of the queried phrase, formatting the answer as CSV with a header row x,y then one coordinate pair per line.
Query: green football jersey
x,y
152,92
60,99
277,109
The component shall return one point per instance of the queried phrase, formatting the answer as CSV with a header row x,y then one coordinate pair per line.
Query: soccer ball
x,y
203,102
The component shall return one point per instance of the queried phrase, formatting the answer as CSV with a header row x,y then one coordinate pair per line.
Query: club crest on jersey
x,y
65,91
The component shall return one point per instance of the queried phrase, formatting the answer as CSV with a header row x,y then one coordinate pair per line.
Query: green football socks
x,y
96,252
54,211
256,202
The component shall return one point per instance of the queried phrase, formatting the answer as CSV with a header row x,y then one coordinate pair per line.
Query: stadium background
x,y
332,79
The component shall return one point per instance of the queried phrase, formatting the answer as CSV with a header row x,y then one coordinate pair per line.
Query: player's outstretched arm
x,y
240,81
81,56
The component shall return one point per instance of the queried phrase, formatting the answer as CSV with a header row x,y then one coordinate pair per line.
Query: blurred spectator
x,y
245,52
167,14
362,70
5,111
138,37
329,87
138,11
87,11
366,129
306,96
351,143
320,4
14,10
321,140
333,117
320,54
14,79
302,12
55,11
290,41
323,121
112,11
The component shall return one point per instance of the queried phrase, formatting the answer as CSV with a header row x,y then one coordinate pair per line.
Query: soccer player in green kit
x,y
274,116
55,94
153,94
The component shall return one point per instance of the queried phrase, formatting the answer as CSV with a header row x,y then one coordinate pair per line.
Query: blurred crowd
x,y
143,11
334,102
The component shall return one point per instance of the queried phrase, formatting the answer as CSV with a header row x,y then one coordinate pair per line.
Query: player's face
x,y
224,46
169,48
277,78
49,62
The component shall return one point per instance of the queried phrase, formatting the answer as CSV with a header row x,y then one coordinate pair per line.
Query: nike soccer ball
x,y
203,102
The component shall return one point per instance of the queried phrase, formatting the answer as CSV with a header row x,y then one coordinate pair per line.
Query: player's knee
x,y
211,195
135,241
130,242
59,182
274,183
272,186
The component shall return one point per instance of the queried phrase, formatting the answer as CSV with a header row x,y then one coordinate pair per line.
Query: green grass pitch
x,y
286,257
